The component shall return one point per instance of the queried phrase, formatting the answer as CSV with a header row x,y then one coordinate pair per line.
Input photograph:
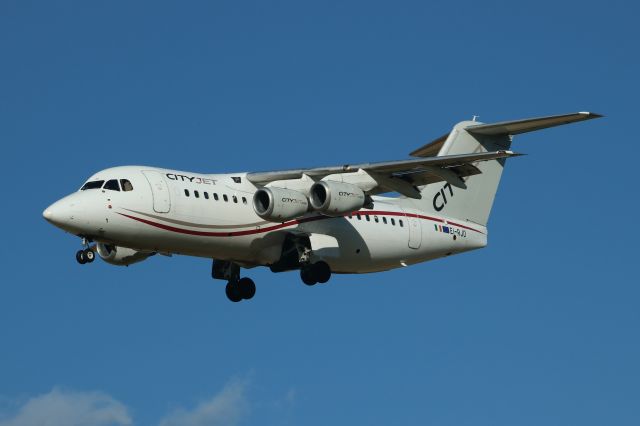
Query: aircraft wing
x,y
398,176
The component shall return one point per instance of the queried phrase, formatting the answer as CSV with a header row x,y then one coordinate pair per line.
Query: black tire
x,y
233,291
307,276
80,257
322,271
247,288
89,255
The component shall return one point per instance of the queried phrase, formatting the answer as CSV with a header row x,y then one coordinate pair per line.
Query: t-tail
x,y
471,198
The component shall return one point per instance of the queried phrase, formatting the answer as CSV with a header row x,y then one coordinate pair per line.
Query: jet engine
x,y
279,204
336,198
121,256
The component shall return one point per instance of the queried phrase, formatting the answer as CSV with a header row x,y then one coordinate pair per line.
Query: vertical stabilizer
x,y
474,203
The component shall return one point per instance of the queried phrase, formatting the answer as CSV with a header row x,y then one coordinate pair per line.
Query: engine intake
x,y
121,256
336,198
279,204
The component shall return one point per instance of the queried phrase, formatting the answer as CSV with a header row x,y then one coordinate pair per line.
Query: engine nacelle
x,y
121,256
279,204
336,198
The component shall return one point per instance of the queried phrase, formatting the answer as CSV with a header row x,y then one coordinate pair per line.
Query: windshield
x,y
126,185
112,185
96,184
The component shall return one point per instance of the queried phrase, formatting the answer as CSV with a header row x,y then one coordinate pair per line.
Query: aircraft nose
x,y
55,214
72,213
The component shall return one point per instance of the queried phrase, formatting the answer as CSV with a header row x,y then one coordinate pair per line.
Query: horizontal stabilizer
x,y
530,124
431,149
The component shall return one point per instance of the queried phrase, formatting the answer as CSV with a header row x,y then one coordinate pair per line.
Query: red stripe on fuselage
x,y
225,234
286,224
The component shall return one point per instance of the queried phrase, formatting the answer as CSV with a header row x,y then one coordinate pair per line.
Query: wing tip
x,y
509,154
590,115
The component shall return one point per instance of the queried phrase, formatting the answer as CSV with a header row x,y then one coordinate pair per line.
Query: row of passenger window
x,y
214,195
377,220
111,185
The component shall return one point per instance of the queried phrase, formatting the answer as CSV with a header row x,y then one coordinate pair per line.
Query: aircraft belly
x,y
364,246
351,245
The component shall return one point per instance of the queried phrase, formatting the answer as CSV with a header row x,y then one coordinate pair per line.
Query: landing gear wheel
x,y
321,271
307,276
89,255
81,257
233,291
247,288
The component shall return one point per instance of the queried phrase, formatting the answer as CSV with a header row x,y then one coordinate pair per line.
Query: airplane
x,y
349,219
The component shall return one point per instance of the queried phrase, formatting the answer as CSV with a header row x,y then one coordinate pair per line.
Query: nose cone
x,y
56,214
70,214
76,213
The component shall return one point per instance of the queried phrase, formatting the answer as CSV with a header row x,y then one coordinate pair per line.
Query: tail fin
x,y
474,203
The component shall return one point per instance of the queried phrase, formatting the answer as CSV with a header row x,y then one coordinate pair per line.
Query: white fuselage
x,y
212,216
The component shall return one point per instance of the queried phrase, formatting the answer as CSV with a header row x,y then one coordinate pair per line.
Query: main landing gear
x,y
297,254
314,273
237,288
87,255
244,288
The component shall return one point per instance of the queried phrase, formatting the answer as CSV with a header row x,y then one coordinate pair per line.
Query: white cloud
x,y
62,407
227,408
67,408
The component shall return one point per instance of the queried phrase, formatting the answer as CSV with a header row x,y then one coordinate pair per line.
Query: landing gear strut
x,y
87,255
237,288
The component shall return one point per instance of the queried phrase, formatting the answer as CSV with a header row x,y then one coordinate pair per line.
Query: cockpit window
x,y
126,185
94,184
112,185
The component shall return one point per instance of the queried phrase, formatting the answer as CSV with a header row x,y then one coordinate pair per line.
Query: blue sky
x,y
541,327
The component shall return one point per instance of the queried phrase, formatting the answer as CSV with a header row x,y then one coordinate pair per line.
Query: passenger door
x,y
159,191
415,230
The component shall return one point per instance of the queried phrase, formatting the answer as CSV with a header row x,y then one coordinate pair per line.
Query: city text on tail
x,y
320,221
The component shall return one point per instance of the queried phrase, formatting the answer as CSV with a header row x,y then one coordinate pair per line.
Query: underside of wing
x,y
477,141
401,176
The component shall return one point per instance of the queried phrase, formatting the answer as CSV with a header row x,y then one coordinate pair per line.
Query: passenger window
x,y
96,184
393,221
215,196
224,197
358,216
376,219
112,185
244,200
197,195
367,217
401,224
235,199
384,220
206,195
126,185
186,192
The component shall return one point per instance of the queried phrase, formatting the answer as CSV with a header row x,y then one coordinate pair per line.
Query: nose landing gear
x,y
87,255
